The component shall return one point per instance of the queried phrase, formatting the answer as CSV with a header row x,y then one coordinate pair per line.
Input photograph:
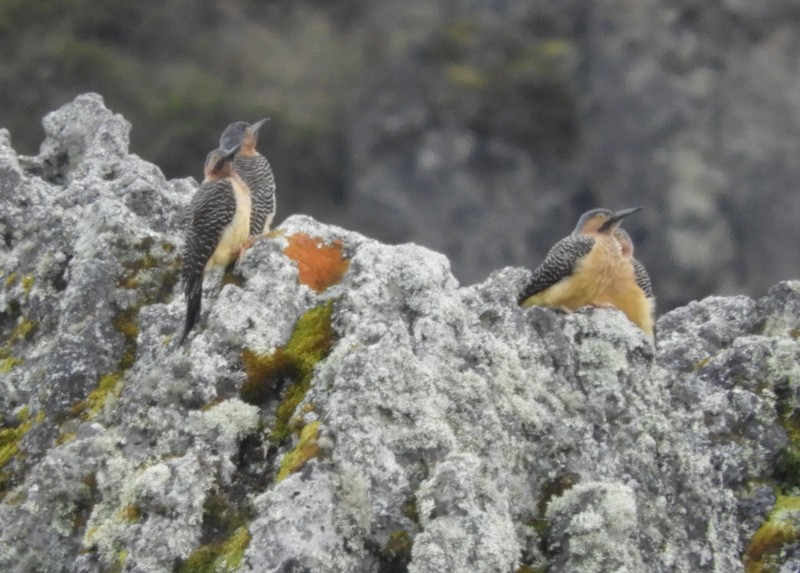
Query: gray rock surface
x,y
442,428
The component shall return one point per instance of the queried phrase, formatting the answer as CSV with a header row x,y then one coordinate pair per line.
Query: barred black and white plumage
x,y
255,170
216,229
639,270
257,173
559,263
642,278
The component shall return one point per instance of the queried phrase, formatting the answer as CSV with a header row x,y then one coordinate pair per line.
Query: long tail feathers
x,y
194,297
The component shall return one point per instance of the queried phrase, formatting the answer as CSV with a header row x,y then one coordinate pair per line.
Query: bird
x,y
578,267
217,228
642,276
629,289
255,170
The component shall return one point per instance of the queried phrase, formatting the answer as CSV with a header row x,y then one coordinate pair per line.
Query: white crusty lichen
x,y
229,420
595,524
465,518
152,513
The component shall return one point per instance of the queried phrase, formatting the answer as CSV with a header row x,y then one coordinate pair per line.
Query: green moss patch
x,y
119,566
291,366
24,330
156,289
156,285
467,76
222,557
307,448
410,510
164,266
17,326
225,536
700,364
10,439
27,283
531,569
65,438
7,363
781,529
787,471
396,554
85,504
130,513
222,518
108,385
553,488
125,323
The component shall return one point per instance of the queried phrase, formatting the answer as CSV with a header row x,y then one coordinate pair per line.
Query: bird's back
x,y
559,264
210,211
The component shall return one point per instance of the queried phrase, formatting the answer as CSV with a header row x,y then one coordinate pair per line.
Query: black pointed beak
x,y
257,125
614,220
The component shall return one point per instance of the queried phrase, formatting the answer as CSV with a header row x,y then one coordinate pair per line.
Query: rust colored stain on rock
x,y
319,265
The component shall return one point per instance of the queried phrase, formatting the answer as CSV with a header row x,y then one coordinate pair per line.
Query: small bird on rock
x,y
218,227
579,267
255,170
629,289
642,276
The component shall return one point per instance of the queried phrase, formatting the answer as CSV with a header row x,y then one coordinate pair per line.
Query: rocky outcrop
x,y
345,405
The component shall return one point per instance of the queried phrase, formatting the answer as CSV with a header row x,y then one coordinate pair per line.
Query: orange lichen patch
x,y
318,264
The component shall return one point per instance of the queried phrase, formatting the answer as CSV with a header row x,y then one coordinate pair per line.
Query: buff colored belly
x,y
237,232
590,276
623,293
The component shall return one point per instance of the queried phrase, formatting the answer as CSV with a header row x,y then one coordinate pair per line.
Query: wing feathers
x,y
559,263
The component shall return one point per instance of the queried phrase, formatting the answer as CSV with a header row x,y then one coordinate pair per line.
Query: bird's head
x,y
601,221
218,163
624,240
242,133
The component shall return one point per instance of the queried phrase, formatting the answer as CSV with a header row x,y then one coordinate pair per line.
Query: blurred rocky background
x,y
479,129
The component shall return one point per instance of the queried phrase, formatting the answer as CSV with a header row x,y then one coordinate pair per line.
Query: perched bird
x,y
629,289
218,227
578,267
255,170
642,276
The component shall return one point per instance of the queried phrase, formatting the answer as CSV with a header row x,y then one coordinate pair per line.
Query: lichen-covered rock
x,y
598,523
345,405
